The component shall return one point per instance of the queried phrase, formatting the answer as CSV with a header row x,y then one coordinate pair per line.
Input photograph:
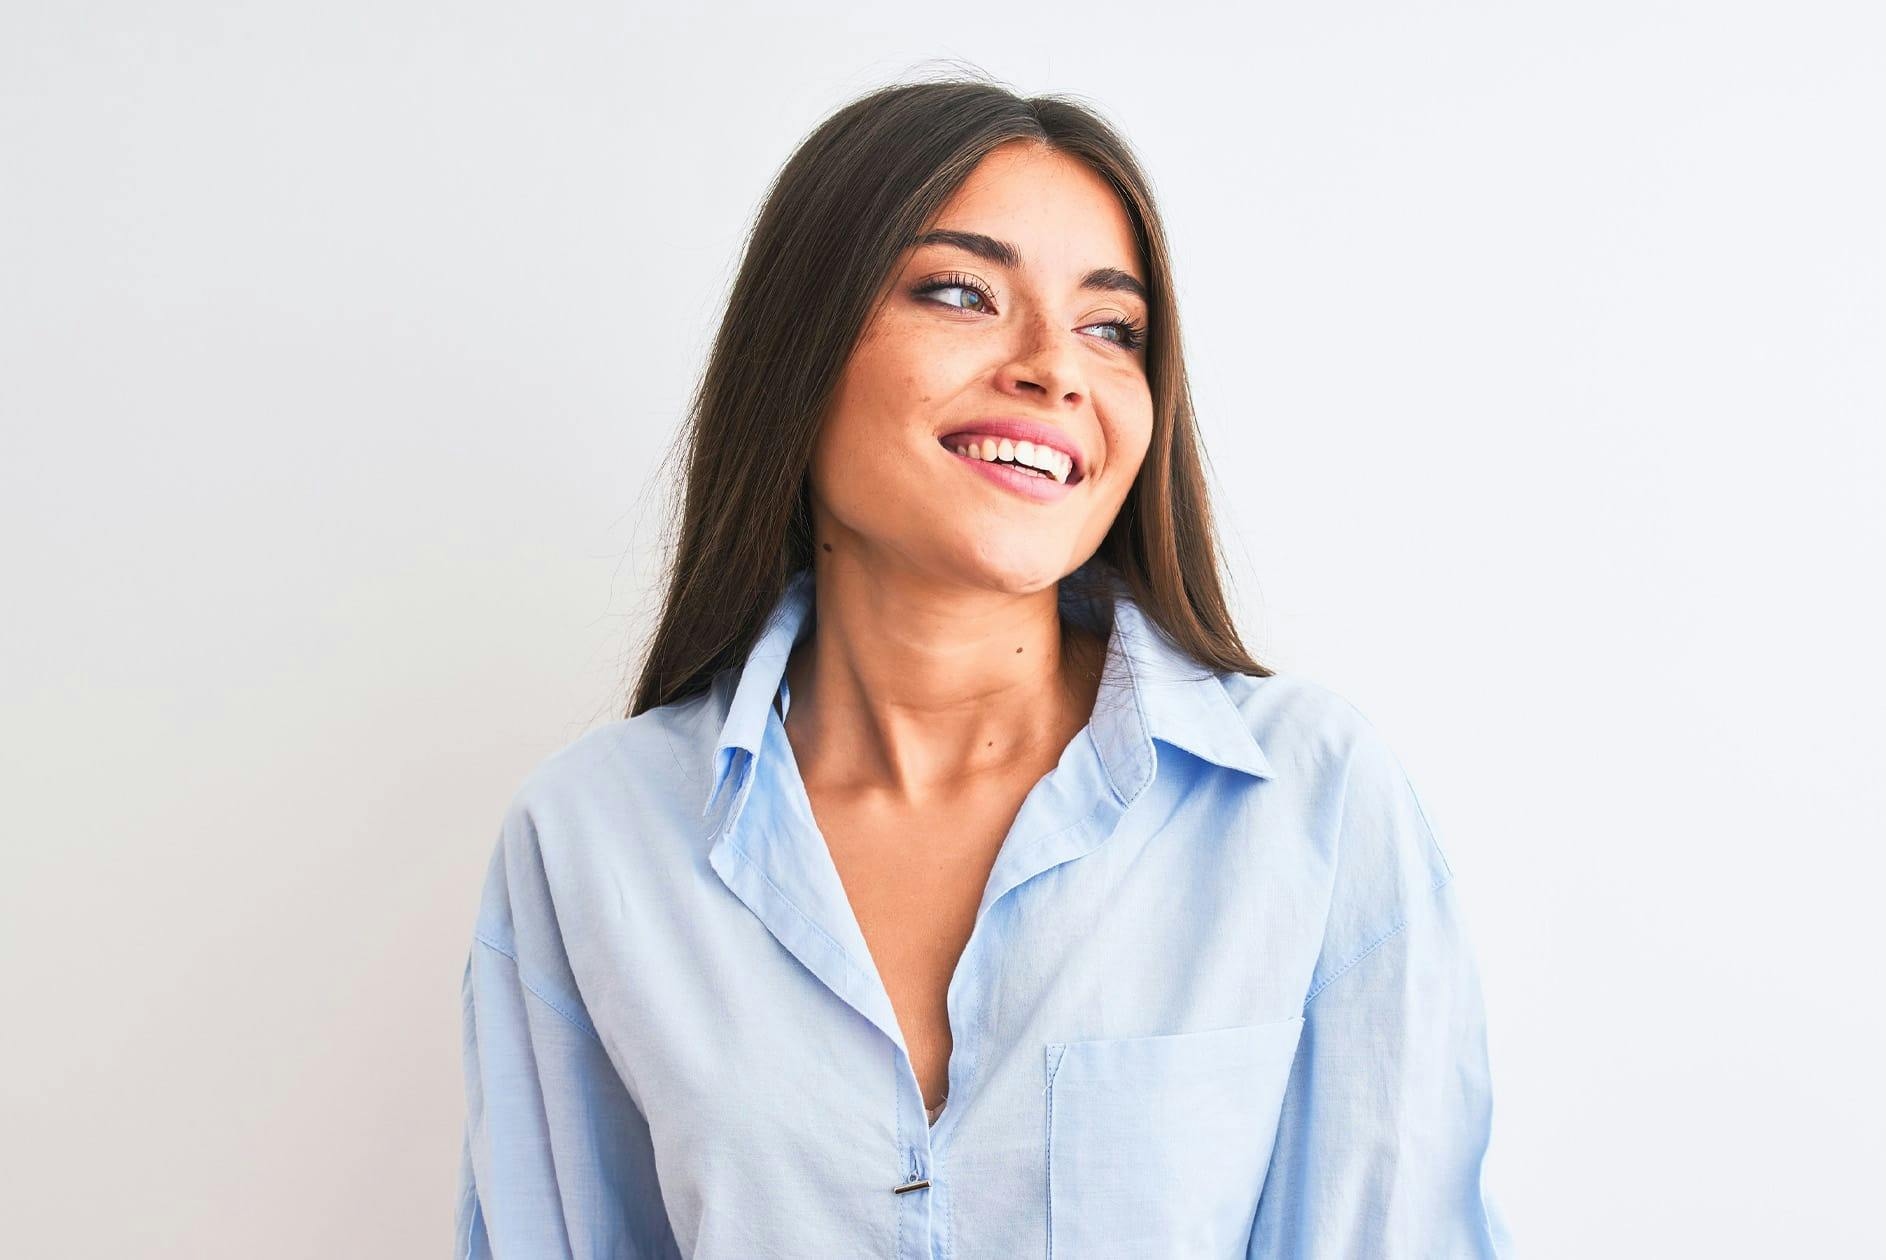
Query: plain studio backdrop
x,y
1539,358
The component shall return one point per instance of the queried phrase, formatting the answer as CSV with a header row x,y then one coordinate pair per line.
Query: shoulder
x,y
625,770
1311,732
1335,769
601,804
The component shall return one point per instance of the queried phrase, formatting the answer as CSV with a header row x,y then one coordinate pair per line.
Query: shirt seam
x,y
1373,946
669,739
471,1225
576,1021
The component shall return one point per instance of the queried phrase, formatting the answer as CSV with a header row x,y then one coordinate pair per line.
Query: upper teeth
x,y
1045,458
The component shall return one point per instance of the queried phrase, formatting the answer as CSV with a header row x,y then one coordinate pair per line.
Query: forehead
x,y
1062,214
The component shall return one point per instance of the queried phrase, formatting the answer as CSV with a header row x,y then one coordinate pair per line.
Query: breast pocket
x,y
1157,1146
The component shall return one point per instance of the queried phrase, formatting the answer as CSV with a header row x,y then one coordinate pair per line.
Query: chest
x,y
747,1027
914,880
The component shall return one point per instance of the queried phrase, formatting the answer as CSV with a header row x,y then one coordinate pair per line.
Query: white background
x,y
1538,350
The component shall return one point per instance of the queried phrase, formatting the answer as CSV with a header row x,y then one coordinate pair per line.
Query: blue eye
x,y
1132,335
954,281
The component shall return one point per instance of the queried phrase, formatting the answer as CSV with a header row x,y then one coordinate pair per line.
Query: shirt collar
x,y
1149,690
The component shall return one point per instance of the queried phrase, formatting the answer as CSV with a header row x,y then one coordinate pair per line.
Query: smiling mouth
x,y
1062,470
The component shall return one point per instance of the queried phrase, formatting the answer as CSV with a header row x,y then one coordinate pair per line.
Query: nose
x,y
1046,361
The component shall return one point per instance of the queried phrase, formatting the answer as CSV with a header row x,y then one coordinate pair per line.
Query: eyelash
x,y
1134,333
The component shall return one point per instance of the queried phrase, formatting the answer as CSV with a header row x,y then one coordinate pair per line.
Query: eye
x,y
955,280
1132,334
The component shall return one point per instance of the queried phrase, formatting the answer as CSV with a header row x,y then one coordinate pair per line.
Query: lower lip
x,y
1040,489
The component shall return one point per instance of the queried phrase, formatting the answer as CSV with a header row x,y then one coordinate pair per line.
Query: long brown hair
x,y
837,220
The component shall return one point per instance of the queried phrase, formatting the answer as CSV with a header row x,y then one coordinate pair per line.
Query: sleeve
x,y
556,1159
1386,1122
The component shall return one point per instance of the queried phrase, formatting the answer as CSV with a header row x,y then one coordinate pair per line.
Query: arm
x,y
556,1159
1387,1117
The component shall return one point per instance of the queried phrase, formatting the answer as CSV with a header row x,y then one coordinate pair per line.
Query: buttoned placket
x,y
783,870
817,924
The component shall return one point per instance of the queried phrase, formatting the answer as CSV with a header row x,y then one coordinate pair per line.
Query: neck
x,y
909,687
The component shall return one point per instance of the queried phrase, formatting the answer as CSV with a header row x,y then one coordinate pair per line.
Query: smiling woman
x,y
1037,359
956,884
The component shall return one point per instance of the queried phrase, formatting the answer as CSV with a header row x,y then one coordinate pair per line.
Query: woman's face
x,y
965,345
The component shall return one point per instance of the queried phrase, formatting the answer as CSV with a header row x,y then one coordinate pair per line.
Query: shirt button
x,y
915,1180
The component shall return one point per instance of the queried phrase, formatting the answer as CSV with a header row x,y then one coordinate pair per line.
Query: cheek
x,y
861,454
900,374
887,399
1129,437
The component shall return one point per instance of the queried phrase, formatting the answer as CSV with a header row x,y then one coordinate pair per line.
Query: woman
x,y
956,884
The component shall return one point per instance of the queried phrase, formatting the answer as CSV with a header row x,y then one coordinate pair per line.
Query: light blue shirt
x,y
1218,1002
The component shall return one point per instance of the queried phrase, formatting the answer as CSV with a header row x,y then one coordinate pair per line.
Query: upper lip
x,y
1019,429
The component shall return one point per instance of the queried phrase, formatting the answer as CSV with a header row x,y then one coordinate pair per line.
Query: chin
x,y
1015,570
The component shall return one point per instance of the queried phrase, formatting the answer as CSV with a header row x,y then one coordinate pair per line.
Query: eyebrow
x,y
1003,254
